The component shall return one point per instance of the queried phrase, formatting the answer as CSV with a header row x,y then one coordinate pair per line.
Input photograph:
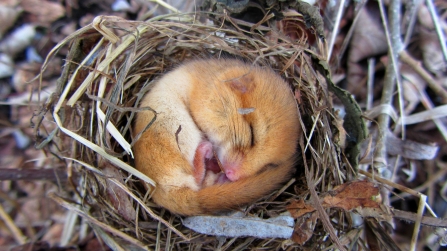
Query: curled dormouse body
x,y
226,134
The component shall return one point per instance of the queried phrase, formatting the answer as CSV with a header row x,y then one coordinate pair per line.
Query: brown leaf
x,y
119,198
43,12
408,148
304,228
368,40
299,208
352,195
433,60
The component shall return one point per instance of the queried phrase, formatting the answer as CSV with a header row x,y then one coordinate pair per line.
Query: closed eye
x,y
252,135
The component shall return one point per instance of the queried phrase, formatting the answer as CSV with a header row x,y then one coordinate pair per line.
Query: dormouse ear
x,y
243,85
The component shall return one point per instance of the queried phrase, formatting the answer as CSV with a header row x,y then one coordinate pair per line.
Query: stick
x,y
33,174
426,220
17,234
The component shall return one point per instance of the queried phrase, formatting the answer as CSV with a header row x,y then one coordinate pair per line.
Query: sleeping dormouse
x,y
226,134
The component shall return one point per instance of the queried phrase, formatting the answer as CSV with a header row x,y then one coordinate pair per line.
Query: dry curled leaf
x,y
304,228
349,196
299,208
360,196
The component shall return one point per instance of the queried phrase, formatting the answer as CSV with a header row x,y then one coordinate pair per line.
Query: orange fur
x,y
249,115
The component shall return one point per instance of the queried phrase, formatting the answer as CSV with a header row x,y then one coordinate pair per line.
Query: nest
x,y
110,65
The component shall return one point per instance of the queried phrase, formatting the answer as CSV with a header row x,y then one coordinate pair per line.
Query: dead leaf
x,y
54,234
349,196
23,74
409,149
304,228
361,196
43,12
119,198
298,208
423,13
412,83
433,60
368,40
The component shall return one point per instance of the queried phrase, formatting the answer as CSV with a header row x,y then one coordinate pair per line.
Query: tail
x,y
223,197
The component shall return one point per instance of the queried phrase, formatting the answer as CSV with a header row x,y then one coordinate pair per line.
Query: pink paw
x,y
231,173
204,151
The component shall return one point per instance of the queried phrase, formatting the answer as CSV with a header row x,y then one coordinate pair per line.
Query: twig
x,y
335,30
392,75
417,223
280,191
17,234
387,93
370,83
415,4
438,28
33,174
346,41
426,220
416,65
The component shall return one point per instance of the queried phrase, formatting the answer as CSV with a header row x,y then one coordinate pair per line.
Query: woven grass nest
x,y
109,67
